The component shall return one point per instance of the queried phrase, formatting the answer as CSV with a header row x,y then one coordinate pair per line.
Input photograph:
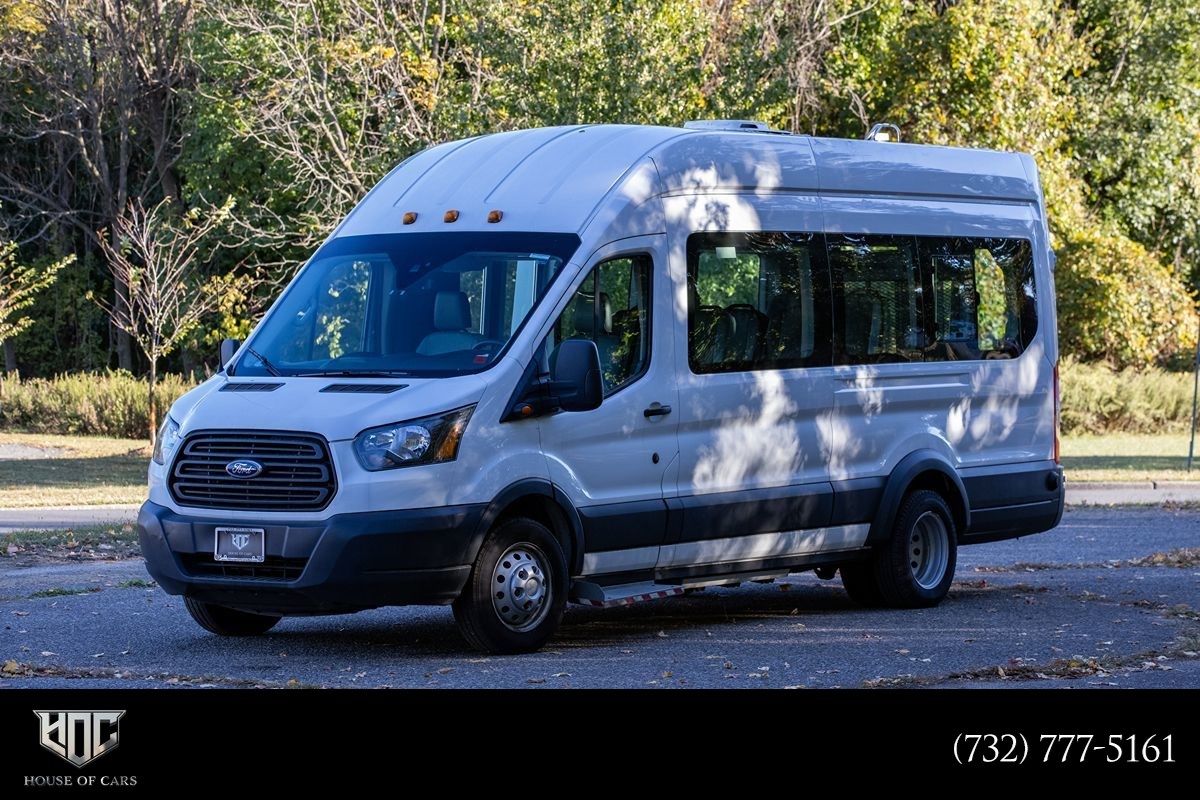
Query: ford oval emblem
x,y
244,468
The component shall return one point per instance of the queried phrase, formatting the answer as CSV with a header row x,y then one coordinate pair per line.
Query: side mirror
x,y
228,348
576,376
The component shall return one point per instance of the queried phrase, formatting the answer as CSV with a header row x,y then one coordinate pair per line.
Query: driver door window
x,y
612,308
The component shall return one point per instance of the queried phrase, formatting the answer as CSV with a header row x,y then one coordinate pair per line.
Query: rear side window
x,y
757,301
984,297
881,300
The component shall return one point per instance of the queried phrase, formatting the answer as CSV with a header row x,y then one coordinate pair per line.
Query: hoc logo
x,y
240,540
79,736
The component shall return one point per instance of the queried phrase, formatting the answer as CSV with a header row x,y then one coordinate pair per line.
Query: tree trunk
x,y
10,358
153,409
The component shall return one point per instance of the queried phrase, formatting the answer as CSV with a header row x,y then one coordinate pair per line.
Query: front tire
x,y
514,599
225,621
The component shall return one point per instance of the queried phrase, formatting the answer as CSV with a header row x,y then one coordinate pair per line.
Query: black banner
x,y
126,741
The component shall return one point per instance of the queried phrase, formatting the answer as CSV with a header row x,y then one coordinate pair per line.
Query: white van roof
x,y
566,178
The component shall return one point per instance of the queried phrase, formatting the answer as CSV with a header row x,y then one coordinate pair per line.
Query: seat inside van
x,y
451,320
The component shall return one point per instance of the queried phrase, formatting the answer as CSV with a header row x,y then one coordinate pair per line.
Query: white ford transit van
x,y
605,364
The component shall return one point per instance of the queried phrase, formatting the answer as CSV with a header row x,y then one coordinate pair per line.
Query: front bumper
x,y
345,563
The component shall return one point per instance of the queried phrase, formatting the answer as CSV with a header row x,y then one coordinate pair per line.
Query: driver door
x,y
614,461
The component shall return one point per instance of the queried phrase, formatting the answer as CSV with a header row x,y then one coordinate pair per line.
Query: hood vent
x,y
364,388
250,387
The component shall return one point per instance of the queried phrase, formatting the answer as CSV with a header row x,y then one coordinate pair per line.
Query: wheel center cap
x,y
532,586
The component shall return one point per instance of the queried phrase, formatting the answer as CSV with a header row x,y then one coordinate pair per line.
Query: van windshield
x,y
419,304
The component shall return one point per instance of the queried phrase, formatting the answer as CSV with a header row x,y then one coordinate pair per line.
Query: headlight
x,y
431,440
166,441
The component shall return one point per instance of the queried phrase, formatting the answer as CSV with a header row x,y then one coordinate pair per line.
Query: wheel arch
x,y
540,500
921,469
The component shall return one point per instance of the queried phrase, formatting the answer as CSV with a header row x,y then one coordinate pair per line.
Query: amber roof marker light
x,y
450,216
410,217
495,215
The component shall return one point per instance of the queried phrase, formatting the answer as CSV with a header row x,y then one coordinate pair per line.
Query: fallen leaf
x,y
667,675
536,680
20,613
97,655
728,665
902,652
443,670
561,675
11,667
1000,671
49,653
662,634
293,682
126,652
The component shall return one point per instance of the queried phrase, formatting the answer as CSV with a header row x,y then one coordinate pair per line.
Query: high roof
x,y
563,178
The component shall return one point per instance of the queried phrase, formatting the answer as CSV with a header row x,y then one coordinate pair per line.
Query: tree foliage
x,y
19,285
295,108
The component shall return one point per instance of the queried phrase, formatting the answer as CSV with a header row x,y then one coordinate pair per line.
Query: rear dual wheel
x,y
915,567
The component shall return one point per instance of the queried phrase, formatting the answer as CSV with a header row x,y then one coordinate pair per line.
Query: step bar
x,y
593,594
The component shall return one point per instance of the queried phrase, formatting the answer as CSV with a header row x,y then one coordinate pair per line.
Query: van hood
x,y
307,404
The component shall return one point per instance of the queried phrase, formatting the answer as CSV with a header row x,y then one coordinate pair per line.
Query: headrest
x,y
583,314
451,311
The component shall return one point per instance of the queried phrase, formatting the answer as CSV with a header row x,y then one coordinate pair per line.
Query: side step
x,y
624,594
592,594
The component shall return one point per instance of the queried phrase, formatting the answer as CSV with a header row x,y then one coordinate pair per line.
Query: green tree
x,y
19,285
1135,137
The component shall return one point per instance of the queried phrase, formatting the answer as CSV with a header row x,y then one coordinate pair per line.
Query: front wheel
x,y
514,599
225,621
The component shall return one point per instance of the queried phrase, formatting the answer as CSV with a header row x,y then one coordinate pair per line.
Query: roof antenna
x,y
883,132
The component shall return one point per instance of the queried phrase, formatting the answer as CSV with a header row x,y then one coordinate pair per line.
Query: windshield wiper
x,y
270,367
354,373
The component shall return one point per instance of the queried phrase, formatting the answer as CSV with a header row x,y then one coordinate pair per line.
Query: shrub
x,y
1119,303
97,404
1097,398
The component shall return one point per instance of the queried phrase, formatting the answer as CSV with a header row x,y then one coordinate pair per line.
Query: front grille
x,y
297,473
274,568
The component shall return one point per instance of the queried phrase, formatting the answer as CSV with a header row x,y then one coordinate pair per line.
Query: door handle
x,y
656,410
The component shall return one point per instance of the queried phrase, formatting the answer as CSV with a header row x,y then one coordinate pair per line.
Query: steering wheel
x,y
487,345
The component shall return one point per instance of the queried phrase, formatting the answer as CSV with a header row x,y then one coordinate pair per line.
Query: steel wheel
x,y
929,550
520,590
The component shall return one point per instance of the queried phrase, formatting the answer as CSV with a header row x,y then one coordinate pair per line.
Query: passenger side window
x,y
757,301
984,298
612,308
880,299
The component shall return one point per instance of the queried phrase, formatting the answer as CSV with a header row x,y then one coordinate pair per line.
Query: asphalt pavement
x,y
1071,608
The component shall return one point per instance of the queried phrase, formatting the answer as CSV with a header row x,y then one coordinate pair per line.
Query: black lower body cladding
x,y
345,563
